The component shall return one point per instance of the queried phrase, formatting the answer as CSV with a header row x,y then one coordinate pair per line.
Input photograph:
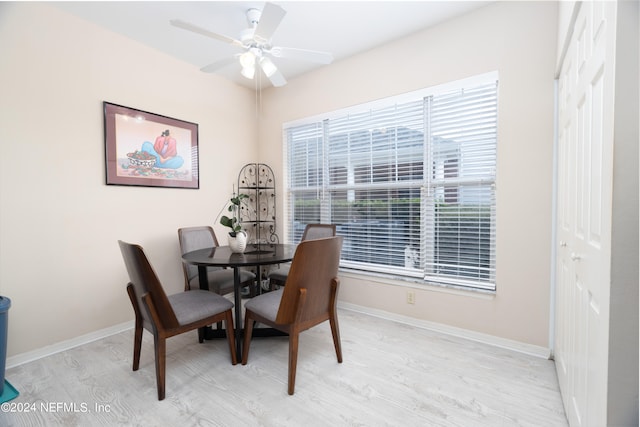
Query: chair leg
x,y
248,331
137,338
335,331
137,346
293,360
254,289
161,362
273,283
231,337
201,335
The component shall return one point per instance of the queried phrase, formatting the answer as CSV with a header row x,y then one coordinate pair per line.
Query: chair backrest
x,y
314,267
144,280
192,239
318,231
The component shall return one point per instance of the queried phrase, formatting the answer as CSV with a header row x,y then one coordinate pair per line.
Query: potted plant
x,y
237,236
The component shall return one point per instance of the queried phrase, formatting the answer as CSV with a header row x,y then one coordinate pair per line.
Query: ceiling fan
x,y
255,42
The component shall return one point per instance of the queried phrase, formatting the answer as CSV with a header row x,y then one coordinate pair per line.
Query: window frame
x,y
424,186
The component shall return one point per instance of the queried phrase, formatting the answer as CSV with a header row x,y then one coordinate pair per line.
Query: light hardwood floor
x,y
392,375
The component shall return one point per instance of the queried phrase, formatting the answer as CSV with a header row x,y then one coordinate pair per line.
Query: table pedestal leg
x,y
208,333
204,285
237,306
258,280
202,277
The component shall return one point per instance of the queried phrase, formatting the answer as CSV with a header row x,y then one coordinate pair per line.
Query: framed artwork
x,y
149,150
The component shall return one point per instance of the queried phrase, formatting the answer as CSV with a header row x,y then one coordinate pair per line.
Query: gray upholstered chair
x,y
166,316
220,279
278,276
308,299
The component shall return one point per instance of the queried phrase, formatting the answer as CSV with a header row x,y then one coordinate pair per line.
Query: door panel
x,y
585,148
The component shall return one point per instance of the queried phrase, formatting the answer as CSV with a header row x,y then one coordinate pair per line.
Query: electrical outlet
x,y
411,297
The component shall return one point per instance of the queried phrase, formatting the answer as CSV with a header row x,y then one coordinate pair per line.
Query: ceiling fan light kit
x,y
247,59
268,67
255,41
248,72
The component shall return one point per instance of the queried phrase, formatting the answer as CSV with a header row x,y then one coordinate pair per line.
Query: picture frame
x,y
149,150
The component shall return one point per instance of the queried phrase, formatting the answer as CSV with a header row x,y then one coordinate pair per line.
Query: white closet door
x,y
585,171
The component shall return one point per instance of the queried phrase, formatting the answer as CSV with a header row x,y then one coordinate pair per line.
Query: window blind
x,y
460,202
305,159
375,161
409,183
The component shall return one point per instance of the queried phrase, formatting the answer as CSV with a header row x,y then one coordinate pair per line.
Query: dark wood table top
x,y
221,256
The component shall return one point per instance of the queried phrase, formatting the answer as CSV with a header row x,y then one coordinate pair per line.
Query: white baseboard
x,y
529,349
520,347
30,356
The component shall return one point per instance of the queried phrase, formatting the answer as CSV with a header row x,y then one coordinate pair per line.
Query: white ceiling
x,y
343,28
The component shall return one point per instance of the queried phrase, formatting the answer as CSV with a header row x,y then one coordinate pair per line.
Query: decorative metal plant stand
x,y
258,212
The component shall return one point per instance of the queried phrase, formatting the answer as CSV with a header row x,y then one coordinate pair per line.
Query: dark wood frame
x,y
121,141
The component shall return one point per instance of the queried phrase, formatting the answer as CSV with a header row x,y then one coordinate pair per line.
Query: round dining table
x,y
254,255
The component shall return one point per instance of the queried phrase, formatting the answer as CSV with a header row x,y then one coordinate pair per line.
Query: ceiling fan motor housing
x,y
246,36
253,16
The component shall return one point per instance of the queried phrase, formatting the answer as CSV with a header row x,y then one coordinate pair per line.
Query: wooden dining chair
x,y
278,276
166,316
220,280
309,299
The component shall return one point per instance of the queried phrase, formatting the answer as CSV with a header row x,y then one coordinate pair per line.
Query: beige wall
x,y
59,260
518,39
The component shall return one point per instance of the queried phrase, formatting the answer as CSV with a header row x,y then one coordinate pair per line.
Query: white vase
x,y
238,243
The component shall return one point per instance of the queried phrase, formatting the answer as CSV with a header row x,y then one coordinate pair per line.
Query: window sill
x,y
417,283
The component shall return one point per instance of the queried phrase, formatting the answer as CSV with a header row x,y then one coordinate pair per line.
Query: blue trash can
x,y
5,303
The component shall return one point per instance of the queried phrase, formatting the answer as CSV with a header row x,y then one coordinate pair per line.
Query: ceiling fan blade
x,y
194,28
302,54
269,20
277,79
215,66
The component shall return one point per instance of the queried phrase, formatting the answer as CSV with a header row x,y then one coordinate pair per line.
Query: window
x,y
409,181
